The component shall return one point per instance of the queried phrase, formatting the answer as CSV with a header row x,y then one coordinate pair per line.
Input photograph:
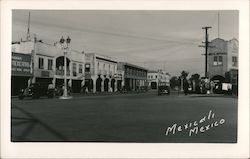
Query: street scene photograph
x,y
124,76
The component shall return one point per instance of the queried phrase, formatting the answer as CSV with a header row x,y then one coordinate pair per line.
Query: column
x,y
54,82
94,84
134,84
109,86
130,83
29,81
116,83
102,85
33,80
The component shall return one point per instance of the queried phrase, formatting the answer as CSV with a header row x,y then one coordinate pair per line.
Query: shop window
x,y
50,64
74,69
80,68
41,63
235,61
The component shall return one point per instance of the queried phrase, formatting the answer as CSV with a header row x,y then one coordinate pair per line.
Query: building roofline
x,y
133,65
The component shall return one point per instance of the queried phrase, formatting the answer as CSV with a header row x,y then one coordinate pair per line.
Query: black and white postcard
x,y
116,79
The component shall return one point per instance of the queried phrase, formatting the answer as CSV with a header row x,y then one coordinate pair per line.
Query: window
x,y
74,69
87,67
155,76
80,68
50,64
215,61
218,60
235,61
41,63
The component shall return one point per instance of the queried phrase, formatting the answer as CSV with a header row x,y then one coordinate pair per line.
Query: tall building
x,y
223,61
47,64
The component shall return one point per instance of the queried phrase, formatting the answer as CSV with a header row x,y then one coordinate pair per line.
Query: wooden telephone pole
x,y
206,47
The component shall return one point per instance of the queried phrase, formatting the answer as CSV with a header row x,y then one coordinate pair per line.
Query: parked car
x,y
36,90
163,90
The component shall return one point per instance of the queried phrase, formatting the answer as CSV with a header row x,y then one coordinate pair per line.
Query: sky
x,y
167,40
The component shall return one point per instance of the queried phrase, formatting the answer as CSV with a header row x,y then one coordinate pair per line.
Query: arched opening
x,y
106,85
98,84
218,80
113,85
153,85
119,85
60,65
88,86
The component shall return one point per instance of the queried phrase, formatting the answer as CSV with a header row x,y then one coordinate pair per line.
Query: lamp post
x,y
65,45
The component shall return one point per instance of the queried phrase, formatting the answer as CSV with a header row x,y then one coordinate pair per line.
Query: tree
x,y
195,76
195,80
184,74
174,82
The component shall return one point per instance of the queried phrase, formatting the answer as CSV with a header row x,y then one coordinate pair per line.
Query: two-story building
x,y
223,61
47,63
101,73
20,71
134,76
158,77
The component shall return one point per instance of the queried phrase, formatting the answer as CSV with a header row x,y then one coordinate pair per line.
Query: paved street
x,y
143,117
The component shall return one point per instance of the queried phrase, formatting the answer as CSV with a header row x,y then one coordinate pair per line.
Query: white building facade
x,y
101,73
156,78
47,63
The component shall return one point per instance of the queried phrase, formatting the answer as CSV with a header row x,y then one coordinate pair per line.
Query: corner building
x,y
47,64
223,61
101,73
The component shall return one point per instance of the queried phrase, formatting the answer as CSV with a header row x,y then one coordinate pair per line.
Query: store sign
x,y
20,64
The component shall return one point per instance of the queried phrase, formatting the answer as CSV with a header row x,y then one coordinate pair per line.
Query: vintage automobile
x,y
36,90
163,90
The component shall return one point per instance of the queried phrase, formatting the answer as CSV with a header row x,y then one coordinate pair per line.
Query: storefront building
x,y
156,78
47,64
20,72
135,77
101,74
223,60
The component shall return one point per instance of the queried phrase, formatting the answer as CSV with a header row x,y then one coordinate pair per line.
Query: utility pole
x,y
28,31
206,47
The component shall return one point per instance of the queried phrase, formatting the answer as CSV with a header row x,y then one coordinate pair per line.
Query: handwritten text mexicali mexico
x,y
196,127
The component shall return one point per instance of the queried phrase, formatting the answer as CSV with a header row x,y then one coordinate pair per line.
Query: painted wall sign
x,y
20,64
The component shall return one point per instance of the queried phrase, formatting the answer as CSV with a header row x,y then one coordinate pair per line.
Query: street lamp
x,y
65,45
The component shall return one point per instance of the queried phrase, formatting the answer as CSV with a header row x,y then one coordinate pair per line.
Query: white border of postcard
x,y
125,150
